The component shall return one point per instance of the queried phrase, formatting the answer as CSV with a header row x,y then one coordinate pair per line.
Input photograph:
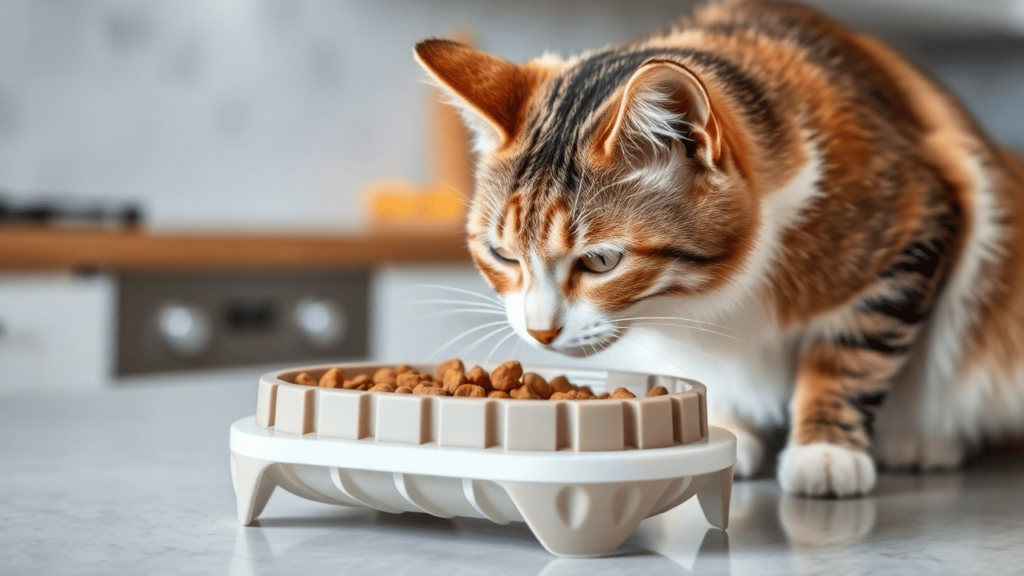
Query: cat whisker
x,y
685,345
460,302
463,311
649,349
495,349
463,291
668,318
464,334
697,328
472,345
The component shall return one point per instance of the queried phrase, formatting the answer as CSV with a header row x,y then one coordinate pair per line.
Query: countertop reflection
x,y
136,481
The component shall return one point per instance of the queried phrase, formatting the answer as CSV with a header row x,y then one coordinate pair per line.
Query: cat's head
x,y
602,182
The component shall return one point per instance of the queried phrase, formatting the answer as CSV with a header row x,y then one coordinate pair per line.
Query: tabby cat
x,y
778,206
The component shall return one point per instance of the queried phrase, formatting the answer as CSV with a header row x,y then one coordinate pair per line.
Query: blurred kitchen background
x,y
210,185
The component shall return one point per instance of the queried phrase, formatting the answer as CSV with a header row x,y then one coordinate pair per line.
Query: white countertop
x,y
136,481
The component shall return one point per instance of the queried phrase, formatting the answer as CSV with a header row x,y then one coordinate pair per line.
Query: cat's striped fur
x,y
763,168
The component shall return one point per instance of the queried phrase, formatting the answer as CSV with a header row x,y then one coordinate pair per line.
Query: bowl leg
x,y
714,498
253,486
584,520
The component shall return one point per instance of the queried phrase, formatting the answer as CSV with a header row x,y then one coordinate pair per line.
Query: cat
x,y
771,203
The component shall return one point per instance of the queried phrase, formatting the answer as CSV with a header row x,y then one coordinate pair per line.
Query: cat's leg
x,y
911,432
841,382
749,445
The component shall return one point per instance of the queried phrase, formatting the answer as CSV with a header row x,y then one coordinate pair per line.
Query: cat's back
x,y
818,71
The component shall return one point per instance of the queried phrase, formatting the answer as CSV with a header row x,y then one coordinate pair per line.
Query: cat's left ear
x,y
662,102
490,92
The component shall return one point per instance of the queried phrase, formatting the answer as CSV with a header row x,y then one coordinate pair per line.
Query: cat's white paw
x,y
749,449
908,451
824,469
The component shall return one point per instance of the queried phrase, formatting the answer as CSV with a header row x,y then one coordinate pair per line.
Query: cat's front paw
x,y
749,448
824,469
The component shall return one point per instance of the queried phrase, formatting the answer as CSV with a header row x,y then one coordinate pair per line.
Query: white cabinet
x,y
55,331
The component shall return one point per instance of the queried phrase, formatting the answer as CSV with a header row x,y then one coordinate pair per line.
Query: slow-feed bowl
x,y
581,473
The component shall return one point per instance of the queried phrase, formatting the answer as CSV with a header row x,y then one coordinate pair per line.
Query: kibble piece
x,y
453,364
403,390
497,394
356,382
537,384
384,375
429,391
453,379
586,390
383,387
622,393
403,368
305,379
603,396
524,393
332,379
365,386
407,379
559,396
560,384
657,391
480,377
506,377
470,390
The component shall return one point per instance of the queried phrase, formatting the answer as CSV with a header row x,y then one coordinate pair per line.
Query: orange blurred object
x,y
405,206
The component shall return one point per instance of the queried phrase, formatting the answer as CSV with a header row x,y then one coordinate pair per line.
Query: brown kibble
x,y
356,382
497,394
586,390
506,377
332,379
559,396
403,390
407,379
560,384
470,390
383,387
524,393
480,377
622,393
603,396
453,364
429,391
403,368
453,379
365,386
657,391
537,383
305,379
385,375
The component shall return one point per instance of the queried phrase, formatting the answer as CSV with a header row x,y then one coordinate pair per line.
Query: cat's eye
x,y
600,263
503,255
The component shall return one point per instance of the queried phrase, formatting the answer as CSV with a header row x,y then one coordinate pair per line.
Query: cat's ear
x,y
662,103
489,91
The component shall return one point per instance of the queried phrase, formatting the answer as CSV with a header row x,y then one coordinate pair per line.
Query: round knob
x,y
320,321
185,329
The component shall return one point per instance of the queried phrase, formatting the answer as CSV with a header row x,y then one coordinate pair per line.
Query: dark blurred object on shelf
x,y
58,212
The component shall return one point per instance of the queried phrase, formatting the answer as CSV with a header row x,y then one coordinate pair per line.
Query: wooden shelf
x,y
39,248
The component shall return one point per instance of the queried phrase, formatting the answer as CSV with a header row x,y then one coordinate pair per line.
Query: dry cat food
x,y
452,379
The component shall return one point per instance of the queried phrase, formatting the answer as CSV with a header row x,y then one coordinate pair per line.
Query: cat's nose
x,y
545,336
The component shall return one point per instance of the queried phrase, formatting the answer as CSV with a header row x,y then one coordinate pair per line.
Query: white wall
x,y
280,112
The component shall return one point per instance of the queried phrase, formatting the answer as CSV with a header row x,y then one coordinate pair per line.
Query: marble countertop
x,y
136,481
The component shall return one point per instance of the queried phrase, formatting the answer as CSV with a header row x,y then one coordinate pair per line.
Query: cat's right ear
x,y
490,92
